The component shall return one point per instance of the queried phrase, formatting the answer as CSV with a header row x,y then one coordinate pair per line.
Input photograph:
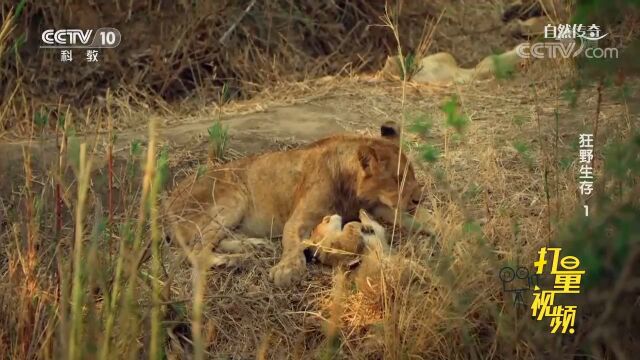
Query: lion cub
x,y
364,243
332,244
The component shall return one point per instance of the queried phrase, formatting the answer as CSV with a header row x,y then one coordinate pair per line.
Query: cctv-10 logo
x,y
76,38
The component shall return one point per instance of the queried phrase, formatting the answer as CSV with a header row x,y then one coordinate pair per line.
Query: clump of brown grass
x,y
192,49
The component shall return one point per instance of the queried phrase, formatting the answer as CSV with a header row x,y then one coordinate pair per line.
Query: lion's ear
x,y
389,130
368,159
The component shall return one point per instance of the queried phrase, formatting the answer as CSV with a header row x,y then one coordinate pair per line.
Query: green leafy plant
x,y
519,120
503,70
454,116
429,153
411,66
420,124
524,151
218,140
218,134
41,119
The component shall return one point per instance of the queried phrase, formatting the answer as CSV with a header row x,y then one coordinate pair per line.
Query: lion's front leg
x,y
292,265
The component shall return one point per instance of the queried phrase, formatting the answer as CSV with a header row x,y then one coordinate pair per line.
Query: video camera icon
x,y
517,281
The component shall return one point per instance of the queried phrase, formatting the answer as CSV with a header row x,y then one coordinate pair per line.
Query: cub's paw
x,y
289,271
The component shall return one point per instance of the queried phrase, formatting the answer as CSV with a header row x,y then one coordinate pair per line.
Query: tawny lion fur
x,y
288,192
379,269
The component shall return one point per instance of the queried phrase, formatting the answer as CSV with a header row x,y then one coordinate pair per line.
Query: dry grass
x,y
190,55
79,280
455,308
162,63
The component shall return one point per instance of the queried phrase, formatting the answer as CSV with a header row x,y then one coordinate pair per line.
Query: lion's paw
x,y
288,271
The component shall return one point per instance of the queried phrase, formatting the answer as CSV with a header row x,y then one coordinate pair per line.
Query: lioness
x,y
288,192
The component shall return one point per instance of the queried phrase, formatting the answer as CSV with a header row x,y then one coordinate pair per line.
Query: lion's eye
x,y
326,219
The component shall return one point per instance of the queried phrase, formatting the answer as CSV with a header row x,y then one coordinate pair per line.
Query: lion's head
x,y
330,224
386,174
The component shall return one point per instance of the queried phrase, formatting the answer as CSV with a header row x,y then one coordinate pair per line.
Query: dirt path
x,y
248,133
272,129
353,106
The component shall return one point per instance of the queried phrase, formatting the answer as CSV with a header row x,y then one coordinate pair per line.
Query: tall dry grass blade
x,y
199,282
75,351
110,162
428,33
155,352
334,323
112,298
223,38
111,302
200,263
5,30
393,26
29,283
425,42
137,250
